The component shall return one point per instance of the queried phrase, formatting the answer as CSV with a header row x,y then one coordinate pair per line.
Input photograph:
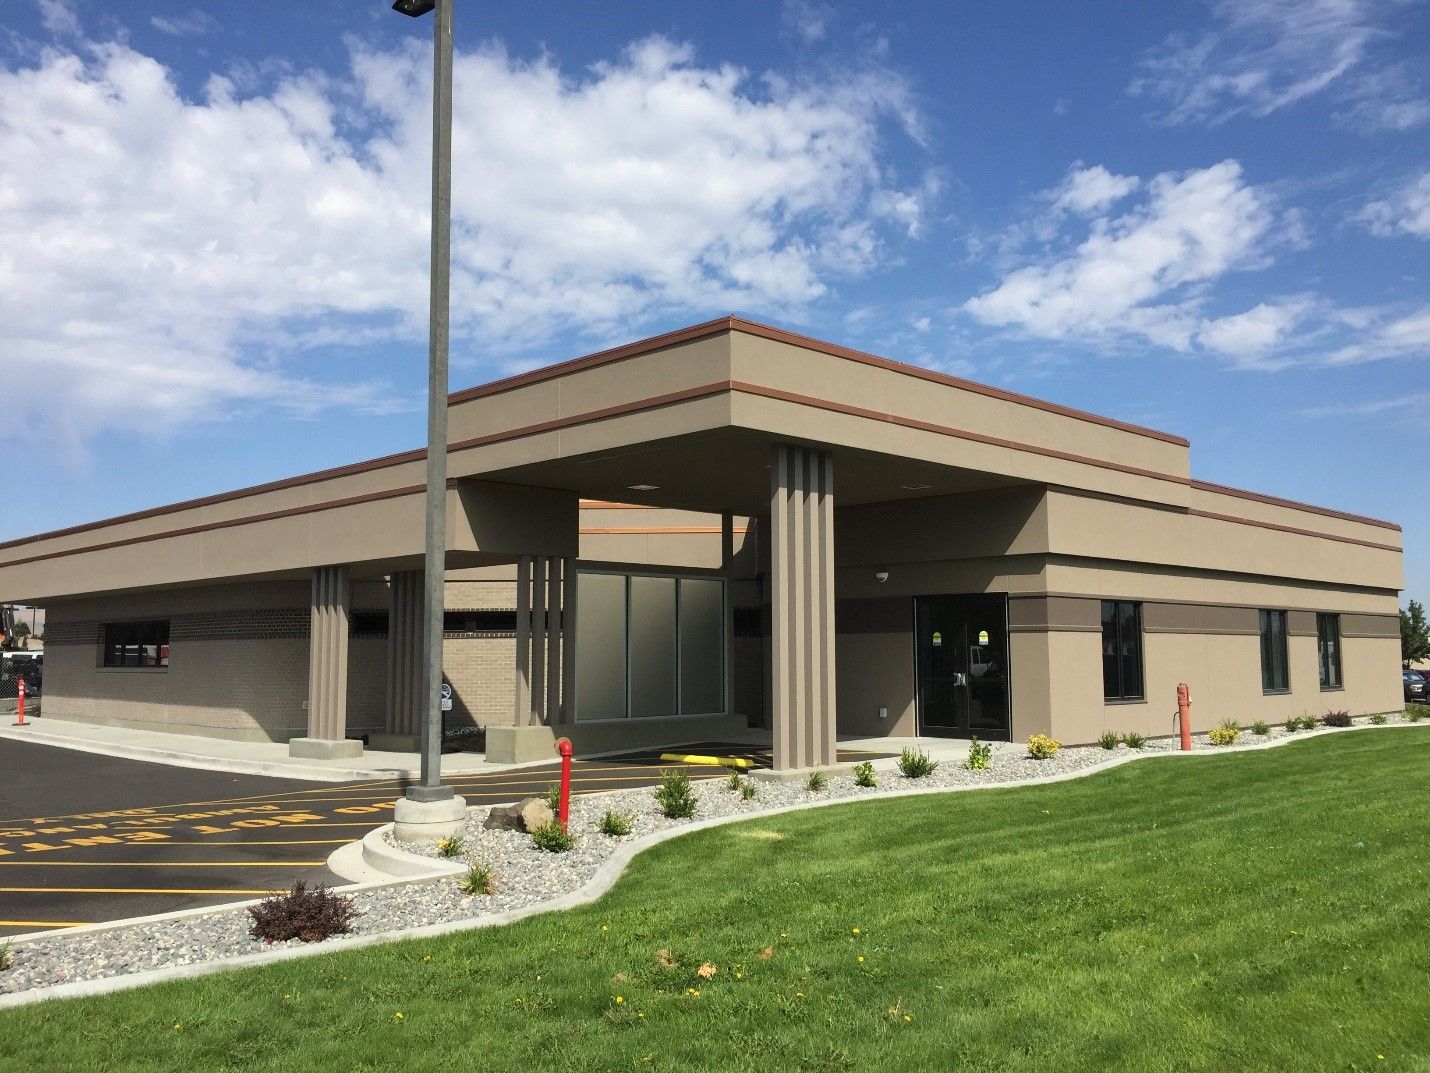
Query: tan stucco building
x,y
722,527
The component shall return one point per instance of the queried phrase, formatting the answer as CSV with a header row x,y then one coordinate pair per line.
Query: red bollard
x,y
1184,715
22,703
563,809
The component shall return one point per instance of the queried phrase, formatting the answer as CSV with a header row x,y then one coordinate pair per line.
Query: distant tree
x,y
1414,634
22,630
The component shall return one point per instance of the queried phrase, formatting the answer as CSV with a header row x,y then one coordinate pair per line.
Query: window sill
x,y
133,670
1333,689
1275,692
1124,700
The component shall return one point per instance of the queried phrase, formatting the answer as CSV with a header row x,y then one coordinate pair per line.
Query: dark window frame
x,y
1124,673
1275,654
1328,656
488,621
135,645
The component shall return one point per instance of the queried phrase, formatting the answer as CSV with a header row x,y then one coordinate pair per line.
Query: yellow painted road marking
x,y
129,890
280,842
164,864
708,761
45,923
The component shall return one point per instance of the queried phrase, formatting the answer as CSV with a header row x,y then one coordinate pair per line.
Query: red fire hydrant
x,y
563,809
21,721
1184,715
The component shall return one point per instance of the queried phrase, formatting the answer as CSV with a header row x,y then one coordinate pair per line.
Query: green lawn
x,y
1262,911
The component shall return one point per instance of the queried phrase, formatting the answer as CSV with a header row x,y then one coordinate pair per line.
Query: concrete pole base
x,y
428,821
324,748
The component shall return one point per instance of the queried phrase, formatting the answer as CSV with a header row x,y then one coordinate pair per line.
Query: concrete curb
x,y
381,856
602,881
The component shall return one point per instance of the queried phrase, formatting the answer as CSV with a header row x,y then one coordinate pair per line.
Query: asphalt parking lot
x,y
87,838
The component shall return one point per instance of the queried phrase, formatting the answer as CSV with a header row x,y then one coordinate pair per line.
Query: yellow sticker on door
x,y
938,640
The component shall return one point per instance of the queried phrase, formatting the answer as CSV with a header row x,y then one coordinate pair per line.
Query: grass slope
x,y
1261,911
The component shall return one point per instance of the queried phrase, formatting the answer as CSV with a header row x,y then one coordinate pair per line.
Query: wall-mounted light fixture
x,y
881,576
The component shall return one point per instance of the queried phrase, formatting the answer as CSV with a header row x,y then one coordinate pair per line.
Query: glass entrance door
x,y
962,650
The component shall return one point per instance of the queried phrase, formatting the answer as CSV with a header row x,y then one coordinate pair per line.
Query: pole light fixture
x,y
429,809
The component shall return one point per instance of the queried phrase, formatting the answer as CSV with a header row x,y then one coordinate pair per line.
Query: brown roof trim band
x,y
227,523
1292,504
833,350
948,430
1291,529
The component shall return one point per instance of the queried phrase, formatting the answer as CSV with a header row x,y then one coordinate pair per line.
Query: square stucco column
x,y
403,723
543,662
328,669
802,607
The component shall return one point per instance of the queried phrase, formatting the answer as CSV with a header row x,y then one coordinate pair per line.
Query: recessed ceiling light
x,y
643,487
915,487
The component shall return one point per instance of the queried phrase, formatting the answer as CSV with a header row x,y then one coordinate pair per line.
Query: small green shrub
x,y
1294,724
1336,719
449,847
1108,740
552,837
1416,712
7,956
916,764
674,795
478,880
864,775
616,824
1042,747
1379,719
310,915
747,790
1134,740
1261,728
980,755
553,796
734,782
1225,733
816,781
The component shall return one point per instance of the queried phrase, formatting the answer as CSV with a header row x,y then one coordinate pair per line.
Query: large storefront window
x,y
649,646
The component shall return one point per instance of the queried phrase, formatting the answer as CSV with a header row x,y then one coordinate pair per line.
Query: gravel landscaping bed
x,y
523,875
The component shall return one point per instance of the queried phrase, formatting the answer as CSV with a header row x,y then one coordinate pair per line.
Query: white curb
x,y
602,881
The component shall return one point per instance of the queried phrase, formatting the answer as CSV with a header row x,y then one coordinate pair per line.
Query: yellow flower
x,y
908,1017
861,959
692,992
799,994
739,976
605,927
620,999
854,930
399,1016
641,1016
177,1026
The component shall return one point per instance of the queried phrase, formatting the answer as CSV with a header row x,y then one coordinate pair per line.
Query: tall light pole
x,y
430,810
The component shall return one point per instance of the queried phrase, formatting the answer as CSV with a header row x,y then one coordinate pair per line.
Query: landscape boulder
x,y
525,815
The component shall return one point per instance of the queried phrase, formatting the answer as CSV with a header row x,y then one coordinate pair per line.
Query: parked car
x,y
1417,690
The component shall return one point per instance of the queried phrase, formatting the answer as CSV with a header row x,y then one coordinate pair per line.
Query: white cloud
x,y
161,257
190,24
1405,211
1088,190
1135,274
1266,55
806,19
1412,403
58,17
1406,336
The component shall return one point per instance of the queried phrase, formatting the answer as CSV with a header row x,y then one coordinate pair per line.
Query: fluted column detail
x,y
328,654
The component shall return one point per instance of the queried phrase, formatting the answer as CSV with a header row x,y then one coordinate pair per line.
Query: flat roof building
x,y
725,526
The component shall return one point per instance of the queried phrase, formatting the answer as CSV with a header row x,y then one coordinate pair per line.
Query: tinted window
x,y
1274,672
1328,646
136,644
1122,650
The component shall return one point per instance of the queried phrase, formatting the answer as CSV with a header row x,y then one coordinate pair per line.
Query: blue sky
x,y
1213,218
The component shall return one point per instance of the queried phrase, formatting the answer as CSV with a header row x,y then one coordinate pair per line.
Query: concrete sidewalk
x,y
246,757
